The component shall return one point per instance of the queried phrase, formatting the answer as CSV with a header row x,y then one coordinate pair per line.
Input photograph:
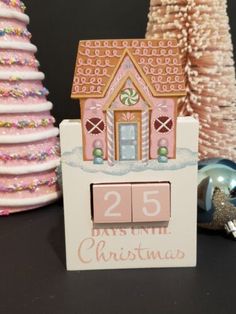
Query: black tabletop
x,y
33,278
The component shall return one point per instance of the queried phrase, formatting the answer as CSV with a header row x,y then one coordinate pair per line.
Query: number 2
x,y
148,200
109,212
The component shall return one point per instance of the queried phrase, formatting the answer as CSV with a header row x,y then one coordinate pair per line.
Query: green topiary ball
x,y
98,152
163,151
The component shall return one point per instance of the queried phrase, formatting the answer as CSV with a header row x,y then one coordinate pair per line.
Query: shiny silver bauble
x,y
216,192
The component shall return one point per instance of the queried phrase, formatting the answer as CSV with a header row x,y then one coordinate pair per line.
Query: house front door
x,y
128,141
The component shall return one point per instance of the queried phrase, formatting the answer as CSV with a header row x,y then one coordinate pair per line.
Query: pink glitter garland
x,y
39,156
16,61
19,93
27,123
15,32
26,186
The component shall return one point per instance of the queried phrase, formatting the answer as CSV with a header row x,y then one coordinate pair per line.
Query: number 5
x,y
149,200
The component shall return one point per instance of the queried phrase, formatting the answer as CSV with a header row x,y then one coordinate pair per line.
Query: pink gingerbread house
x,y
128,91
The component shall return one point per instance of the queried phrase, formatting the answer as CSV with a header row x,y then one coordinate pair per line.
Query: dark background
x,y
58,25
33,279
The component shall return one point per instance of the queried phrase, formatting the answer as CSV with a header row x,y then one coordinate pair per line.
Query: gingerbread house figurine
x,y
137,213
128,92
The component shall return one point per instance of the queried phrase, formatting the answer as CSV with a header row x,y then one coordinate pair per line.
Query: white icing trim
x,y
26,108
30,201
26,138
30,168
10,14
31,76
18,46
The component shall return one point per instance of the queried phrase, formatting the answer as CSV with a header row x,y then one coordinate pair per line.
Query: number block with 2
x,y
151,202
112,203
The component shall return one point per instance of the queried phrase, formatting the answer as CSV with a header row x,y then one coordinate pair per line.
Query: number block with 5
x,y
151,202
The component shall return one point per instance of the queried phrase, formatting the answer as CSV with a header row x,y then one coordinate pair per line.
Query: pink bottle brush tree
x,y
29,147
203,33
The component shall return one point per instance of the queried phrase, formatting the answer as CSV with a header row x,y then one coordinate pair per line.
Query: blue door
x,y
128,141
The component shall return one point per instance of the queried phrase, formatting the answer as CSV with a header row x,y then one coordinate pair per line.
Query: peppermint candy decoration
x,y
129,97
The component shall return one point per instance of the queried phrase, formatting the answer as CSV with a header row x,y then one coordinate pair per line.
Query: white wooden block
x,y
142,245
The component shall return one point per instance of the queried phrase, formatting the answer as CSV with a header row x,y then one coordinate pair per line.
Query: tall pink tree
x,y
29,148
202,30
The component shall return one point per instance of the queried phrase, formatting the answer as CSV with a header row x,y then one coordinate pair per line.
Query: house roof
x,y
157,61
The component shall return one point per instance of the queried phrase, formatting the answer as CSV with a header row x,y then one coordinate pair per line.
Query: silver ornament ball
x,y
216,192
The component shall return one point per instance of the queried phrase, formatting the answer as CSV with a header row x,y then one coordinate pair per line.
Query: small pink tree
x,y
29,149
202,30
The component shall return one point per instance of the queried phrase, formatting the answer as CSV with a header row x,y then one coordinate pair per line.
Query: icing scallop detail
x,y
129,97
33,108
16,4
9,14
18,46
28,137
11,206
21,76
34,168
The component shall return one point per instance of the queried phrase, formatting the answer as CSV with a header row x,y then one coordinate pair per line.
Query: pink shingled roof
x,y
158,62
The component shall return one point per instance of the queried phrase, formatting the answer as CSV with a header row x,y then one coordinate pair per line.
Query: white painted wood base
x,y
130,246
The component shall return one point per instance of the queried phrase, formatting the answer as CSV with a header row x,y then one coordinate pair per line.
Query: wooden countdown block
x,y
151,202
112,203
